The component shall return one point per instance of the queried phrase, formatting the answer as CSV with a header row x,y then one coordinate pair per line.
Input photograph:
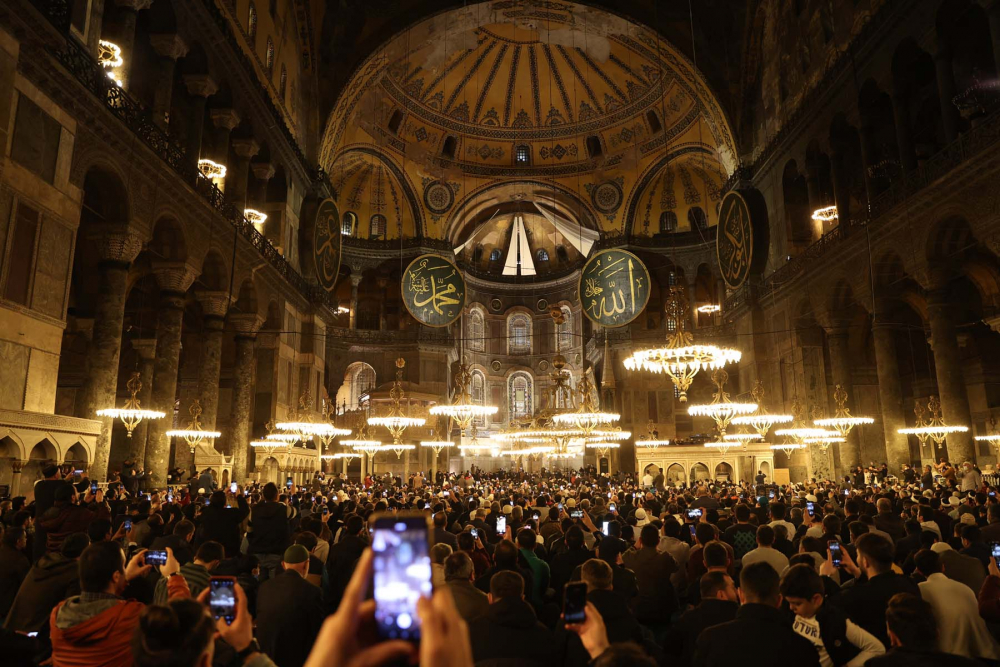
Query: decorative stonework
x,y
174,277
116,245
169,45
225,118
245,324
439,196
213,303
607,196
201,85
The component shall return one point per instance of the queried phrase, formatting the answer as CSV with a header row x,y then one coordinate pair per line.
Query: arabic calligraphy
x,y
734,243
433,290
614,287
327,244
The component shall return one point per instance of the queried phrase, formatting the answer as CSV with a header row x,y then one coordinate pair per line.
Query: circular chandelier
x,y
369,447
789,447
651,439
437,445
397,447
343,455
588,417
193,434
824,442
396,422
723,446
254,216
761,420
721,409
603,447
825,214
709,308
935,429
842,420
211,169
801,433
131,413
681,359
462,410
269,447
742,439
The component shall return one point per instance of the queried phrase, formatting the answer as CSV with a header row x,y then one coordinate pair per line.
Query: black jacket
x,y
50,581
222,524
269,532
289,615
657,599
865,602
891,523
902,657
684,633
760,636
340,566
14,566
563,565
509,634
442,536
183,551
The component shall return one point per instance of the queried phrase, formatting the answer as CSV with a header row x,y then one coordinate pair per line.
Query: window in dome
x,y
478,392
564,332
668,222
394,121
477,255
522,155
519,334
282,83
495,255
378,225
594,146
543,255
562,254
654,121
697,218
348,223
520,402
449,147
269,58
252,24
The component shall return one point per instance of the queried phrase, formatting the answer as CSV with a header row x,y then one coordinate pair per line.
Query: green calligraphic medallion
x,y
614,287
433,290
734,241
327,244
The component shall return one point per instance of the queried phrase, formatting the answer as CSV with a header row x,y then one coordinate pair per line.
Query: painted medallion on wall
x,y
327,244
433,290
614,287
739,216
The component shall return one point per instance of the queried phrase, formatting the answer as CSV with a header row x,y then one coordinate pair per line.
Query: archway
x,y
675,474
699,473
723,472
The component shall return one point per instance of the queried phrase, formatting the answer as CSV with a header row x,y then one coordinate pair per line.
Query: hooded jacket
x,y
64,518
269,530
52,579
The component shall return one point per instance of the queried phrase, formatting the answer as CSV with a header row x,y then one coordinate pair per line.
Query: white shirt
x,y
789,526
647,480
864,640
680,551
961,630
769,555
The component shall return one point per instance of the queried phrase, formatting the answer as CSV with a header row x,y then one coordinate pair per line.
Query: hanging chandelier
x,y
269,447
396,422
369,447
761,420
935,429
437,445
397,447
805,432
344,455
588,416
603,447
193,434
254,216
463,409
211,170
721,409
327,430
842,420
652,438
304,428
789,447
826,214
131,413
825,441
723,446
681,359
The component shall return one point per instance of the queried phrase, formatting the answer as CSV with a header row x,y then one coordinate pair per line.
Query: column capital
x,y
264,171
201,85
134,5
169,45
17,466
213,303
356,279
115,244
246,324
145,348
175,276
245,148
224,118
267,340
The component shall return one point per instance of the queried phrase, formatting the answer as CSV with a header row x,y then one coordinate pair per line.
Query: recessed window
x,y
348,223
594,146
477,255
395,120
495,255
282,83
449,147
522,155
697,218
269,57
668,222
654,121
562,254
252,23
36,139
543,255
22,255
378,225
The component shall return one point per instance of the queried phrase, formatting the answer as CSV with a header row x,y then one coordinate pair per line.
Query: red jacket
x,y
64,519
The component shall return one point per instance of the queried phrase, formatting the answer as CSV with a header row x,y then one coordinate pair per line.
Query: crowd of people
x,y
872,569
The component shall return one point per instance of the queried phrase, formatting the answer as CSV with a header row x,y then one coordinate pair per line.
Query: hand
x,y
239,633
592,632
120,533
444,639
171,566
137,566
992,567
348,638
847,563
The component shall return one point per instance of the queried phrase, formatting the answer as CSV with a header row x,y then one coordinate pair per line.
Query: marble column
x,y
890,390
992,8
16,467
200,87
950,380
868,157
904,136
946,90
840,362
239,174
246,327
116,249
214,306
355,281
126,38
383,283
170,47
841,188
263,172
174,279
224,120
145,348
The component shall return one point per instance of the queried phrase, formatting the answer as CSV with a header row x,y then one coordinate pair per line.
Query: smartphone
x,y
232,487
77,472
170,497
535,516
385,494
609,495
995,552
835,554
559,505
575,602
810,507
156,557
474,532
288,485
694,530
847,492
326,510
501,525
770,494
128,525
576,514
695,513
612,507
607,525
402,572
222,598
447,494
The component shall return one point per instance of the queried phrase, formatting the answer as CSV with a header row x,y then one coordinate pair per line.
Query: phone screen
x,y
288,484
835,556
607,524
232,487
93,487
576,514
770,494
995,552
156,558
574,602
501,525
222,598
694,514
612,507
694,529
128,525
535,516
402,574
474,532
810,507
170,497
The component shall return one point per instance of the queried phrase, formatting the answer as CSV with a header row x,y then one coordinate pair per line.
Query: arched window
x,y
477,327
520,400
449,147
395,120
282,83
564,331
252,24
519,334
543,255
269,57
697,218
594,146
495,255
477,254
668,222
349,223
377,226
360,379
478,392
654,121
562,254
522,154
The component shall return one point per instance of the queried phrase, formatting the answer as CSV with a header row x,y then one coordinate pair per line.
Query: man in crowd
x,y
54,578
509,632
719,604
268,532
913,634
765,551
459,575
289,611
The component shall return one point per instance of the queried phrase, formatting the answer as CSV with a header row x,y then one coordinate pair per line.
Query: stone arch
x,y
699,472
168,242
246,300
519,331
795,197
78,451
106,199
11,445
43,450
214,274
675,474
359,378
724,471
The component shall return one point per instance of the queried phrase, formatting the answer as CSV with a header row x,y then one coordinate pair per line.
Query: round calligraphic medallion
x,y
734,240
433,290
438,197
614,287
607,197
327,244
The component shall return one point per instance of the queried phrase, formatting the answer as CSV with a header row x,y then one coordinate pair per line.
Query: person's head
x,y
716,555
50,471
184,529
597,574
270,492
910,622
74,545
927,561
209,554
506,584
742,513
802,587
777,511
765,536
759,585
439,552
354,524
575,537
15,538
217,499
649,536
874,554
458,566
505,555
526,539
971,535
716,585
466,542
102,568
704,533
99,530
831,524
178,634
884,505
296,559
440,520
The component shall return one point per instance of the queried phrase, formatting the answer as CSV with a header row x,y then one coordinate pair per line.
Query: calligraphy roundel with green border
x,y
327,244
734,241
433,290
614,287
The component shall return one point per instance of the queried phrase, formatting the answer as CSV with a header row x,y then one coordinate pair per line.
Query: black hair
x,y
801,581
98,564
759,583
172,635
